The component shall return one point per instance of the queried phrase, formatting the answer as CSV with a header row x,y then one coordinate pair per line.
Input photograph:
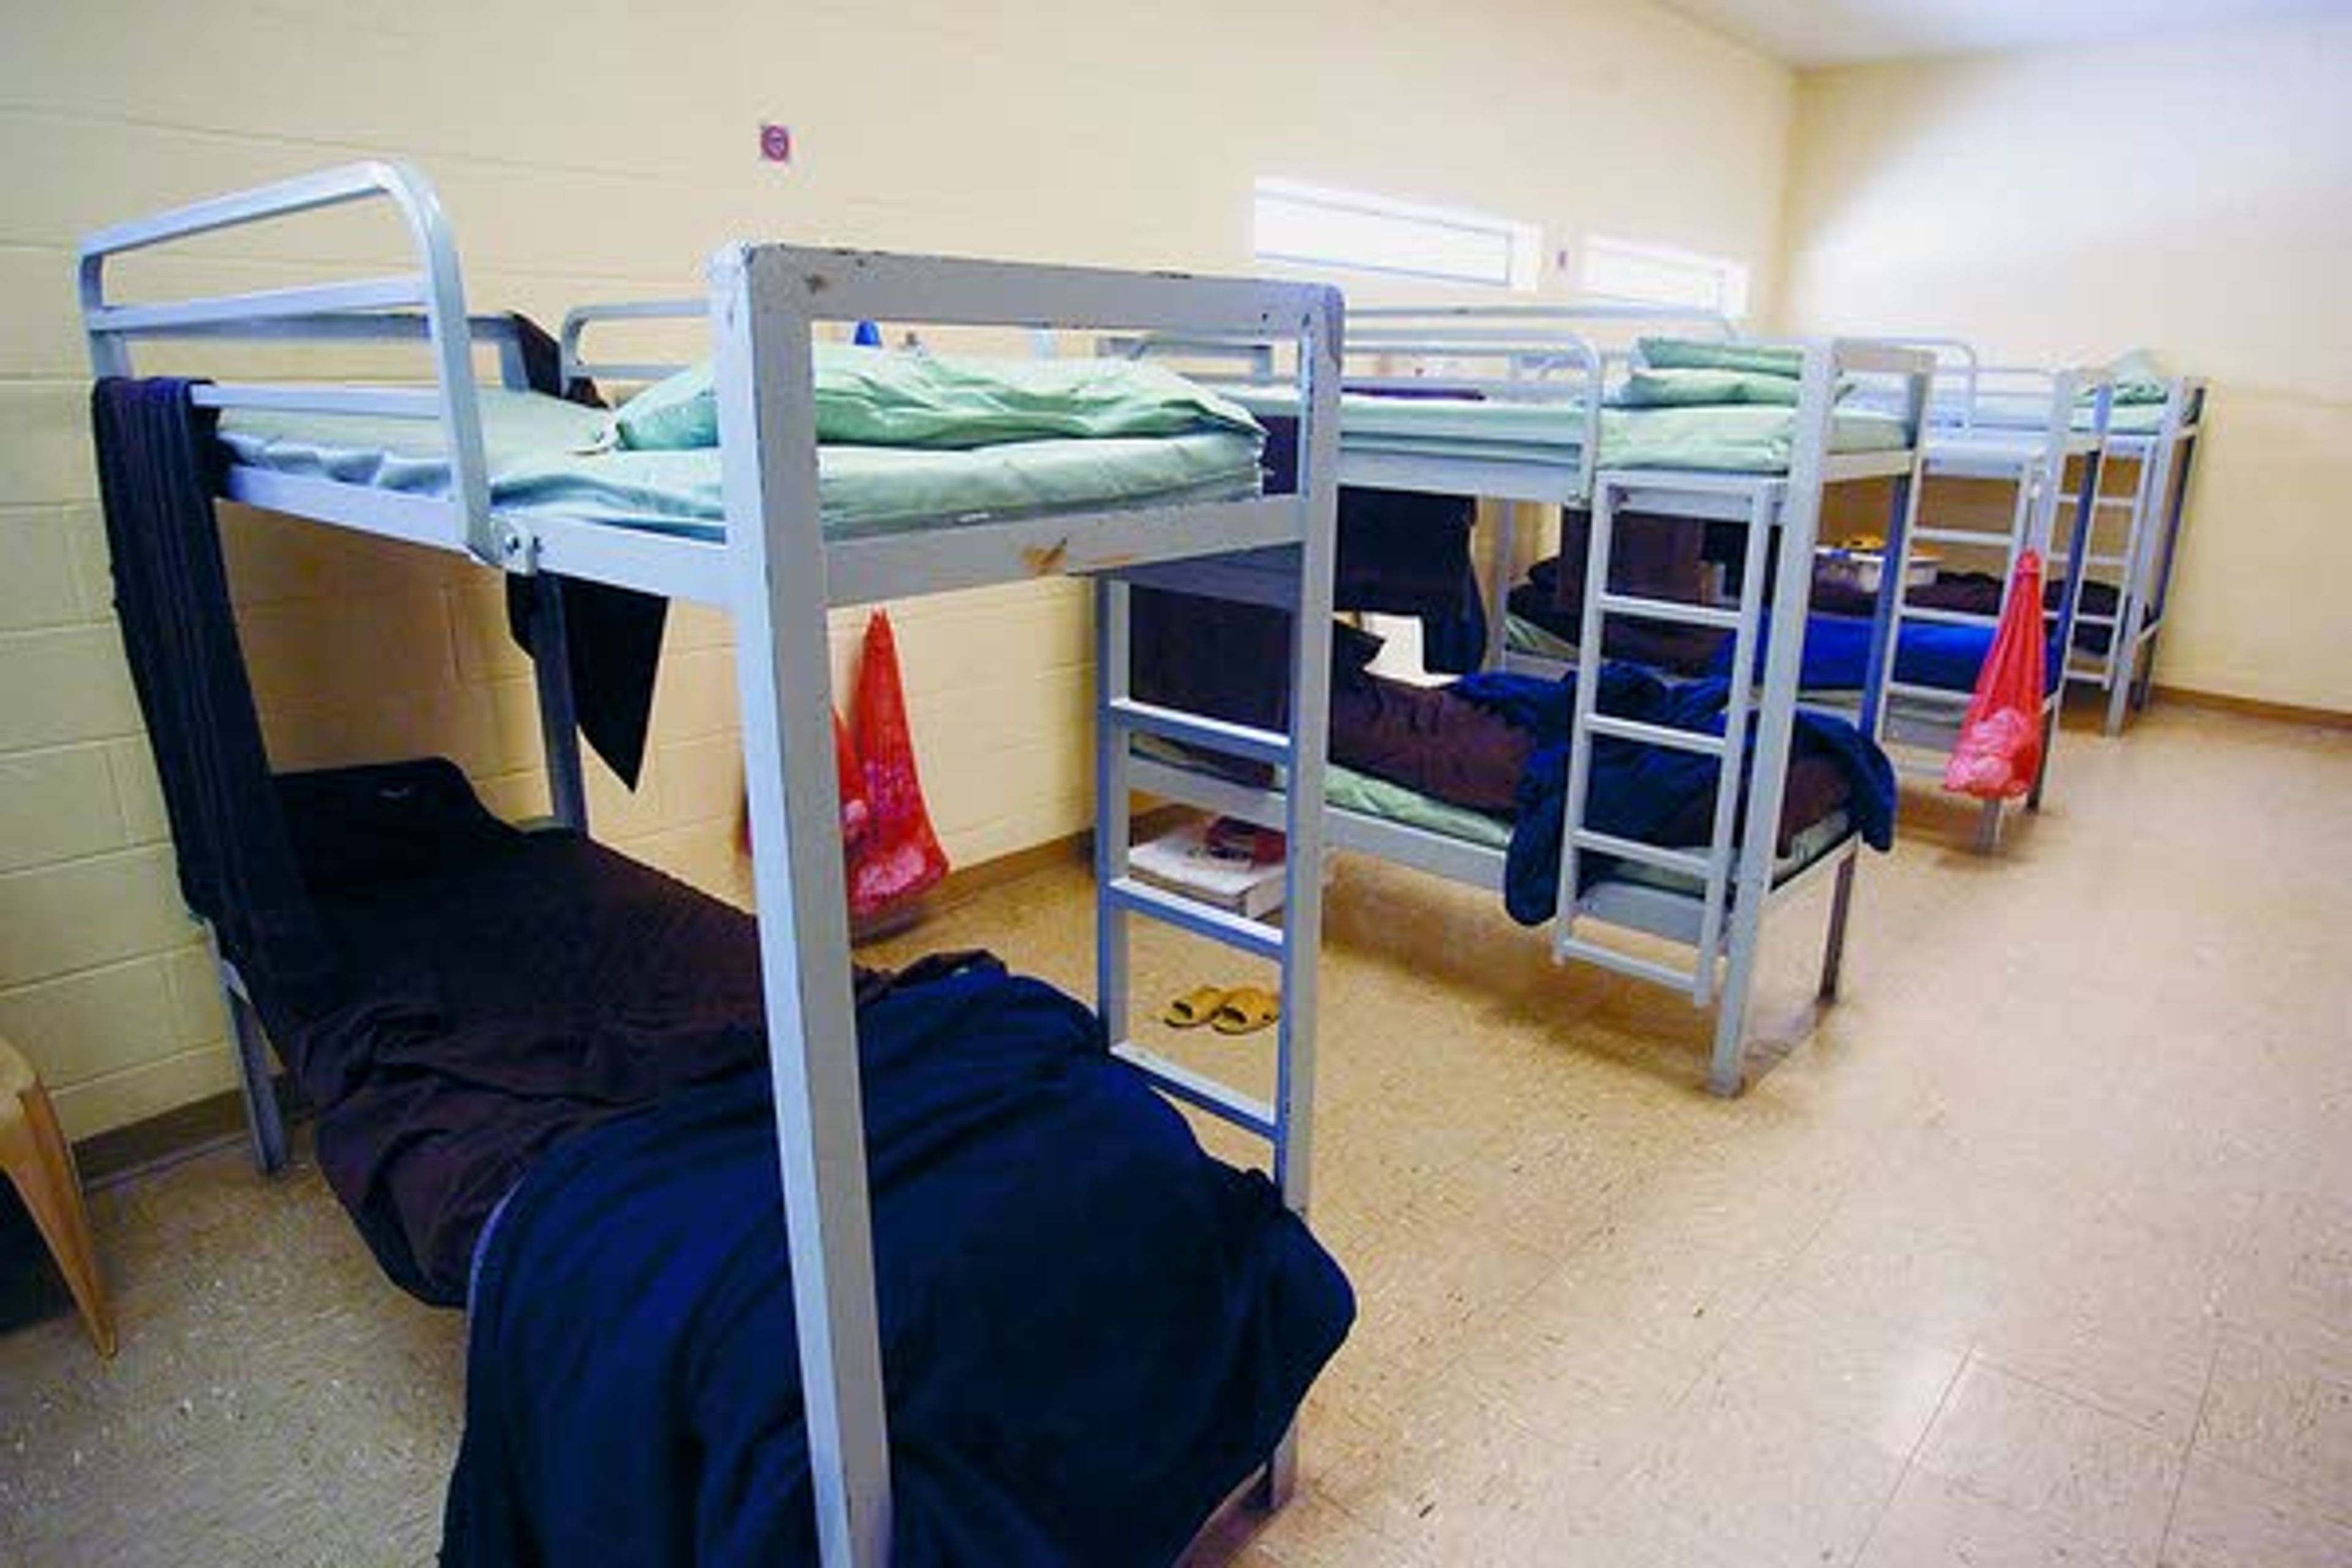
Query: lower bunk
x,y
1470,782
540,1071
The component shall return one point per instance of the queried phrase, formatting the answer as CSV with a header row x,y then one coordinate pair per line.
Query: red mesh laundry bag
x,y
856,815
856,811
1999,747
900,855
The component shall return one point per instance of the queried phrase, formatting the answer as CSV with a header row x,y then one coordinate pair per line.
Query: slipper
x,y
1193,1008
1246,1010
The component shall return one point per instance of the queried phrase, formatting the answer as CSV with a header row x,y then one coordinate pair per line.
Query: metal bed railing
x,y
2036,429
778,574
2162,463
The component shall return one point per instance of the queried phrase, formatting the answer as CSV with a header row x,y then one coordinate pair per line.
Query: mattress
x,y
543,461
2019,413
1744,438
1347,790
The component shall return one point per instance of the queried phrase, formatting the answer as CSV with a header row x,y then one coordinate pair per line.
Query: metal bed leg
x,y
262,1116
265,1124
1726,1068
1112,827
1834,948
783,683
1987,839
559,722
1498,587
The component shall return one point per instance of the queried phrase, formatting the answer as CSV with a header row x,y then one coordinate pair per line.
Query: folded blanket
x,y
1090,1330
1693,353
876,397
1656,388
1638,791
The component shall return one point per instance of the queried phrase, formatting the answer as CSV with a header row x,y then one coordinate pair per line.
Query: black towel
x,y
156,459
613,634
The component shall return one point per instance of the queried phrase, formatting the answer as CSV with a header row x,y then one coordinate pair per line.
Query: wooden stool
x,y
39,1162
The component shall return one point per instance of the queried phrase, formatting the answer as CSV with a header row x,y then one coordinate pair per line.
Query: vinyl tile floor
x,y
2035,1249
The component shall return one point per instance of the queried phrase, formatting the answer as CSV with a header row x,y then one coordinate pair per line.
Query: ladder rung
x,y
2107,561
1665,859
1928,693
1565,946
1199,1089
1198,730
2085,618
1200,919
1669,610
1657,734
1962,536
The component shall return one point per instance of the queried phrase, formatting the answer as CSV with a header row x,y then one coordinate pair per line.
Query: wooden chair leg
x,y
39,1163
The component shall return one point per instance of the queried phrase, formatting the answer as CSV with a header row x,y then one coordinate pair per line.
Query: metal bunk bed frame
x,y
1722,926
2162,464
778,574
2036,465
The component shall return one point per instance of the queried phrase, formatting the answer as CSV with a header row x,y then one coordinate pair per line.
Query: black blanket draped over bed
x,y
1091,1330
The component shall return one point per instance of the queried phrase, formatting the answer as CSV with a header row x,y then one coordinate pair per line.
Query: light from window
x,y
1634,274
1314,226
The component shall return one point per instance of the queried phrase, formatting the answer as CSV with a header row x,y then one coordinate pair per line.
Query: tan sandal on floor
x,y
1195,1008
1246,1010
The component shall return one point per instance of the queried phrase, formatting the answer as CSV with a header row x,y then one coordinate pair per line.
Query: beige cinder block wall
x,y
593,150
2191,195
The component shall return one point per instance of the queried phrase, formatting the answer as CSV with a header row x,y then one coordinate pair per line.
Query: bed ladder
x,y
1724,871
1286,1122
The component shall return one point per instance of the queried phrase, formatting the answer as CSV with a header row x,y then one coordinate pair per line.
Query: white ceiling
x,y
1842,32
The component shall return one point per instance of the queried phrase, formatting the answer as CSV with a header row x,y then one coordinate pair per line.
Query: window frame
x,y
1522,242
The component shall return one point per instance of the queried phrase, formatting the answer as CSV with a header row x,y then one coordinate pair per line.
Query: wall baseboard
x,y
2255,707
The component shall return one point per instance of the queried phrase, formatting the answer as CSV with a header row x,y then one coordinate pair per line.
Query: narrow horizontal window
x,y
1627,272
1315,226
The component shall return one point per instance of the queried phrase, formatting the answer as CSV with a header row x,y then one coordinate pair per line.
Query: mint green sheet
x,y
544,459
1741,438
1688,388
1695,353
882,398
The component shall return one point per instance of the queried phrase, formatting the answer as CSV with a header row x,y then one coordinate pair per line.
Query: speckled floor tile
x,y
2084,1119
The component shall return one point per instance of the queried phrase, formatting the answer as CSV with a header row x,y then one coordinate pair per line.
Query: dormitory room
x,y
1044,784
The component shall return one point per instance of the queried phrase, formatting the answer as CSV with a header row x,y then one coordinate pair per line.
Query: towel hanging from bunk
x,y
155,470
612,635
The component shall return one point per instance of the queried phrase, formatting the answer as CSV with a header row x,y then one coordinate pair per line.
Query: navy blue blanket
x,y
1091,1330
1928,653
1635,790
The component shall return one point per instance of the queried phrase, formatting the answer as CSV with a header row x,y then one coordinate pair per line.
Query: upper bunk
x,y
453,458
2125,409
1535,404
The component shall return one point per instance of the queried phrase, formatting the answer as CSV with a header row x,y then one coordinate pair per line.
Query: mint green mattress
x,y
543,461
1367,796
2034,413
1739,438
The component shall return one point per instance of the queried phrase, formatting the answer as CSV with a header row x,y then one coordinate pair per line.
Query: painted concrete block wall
x,y
596,150
2191,194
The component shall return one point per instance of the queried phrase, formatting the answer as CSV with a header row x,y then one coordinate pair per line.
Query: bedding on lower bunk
x,y
1546,612
1484,760
1091,1332
530,1014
